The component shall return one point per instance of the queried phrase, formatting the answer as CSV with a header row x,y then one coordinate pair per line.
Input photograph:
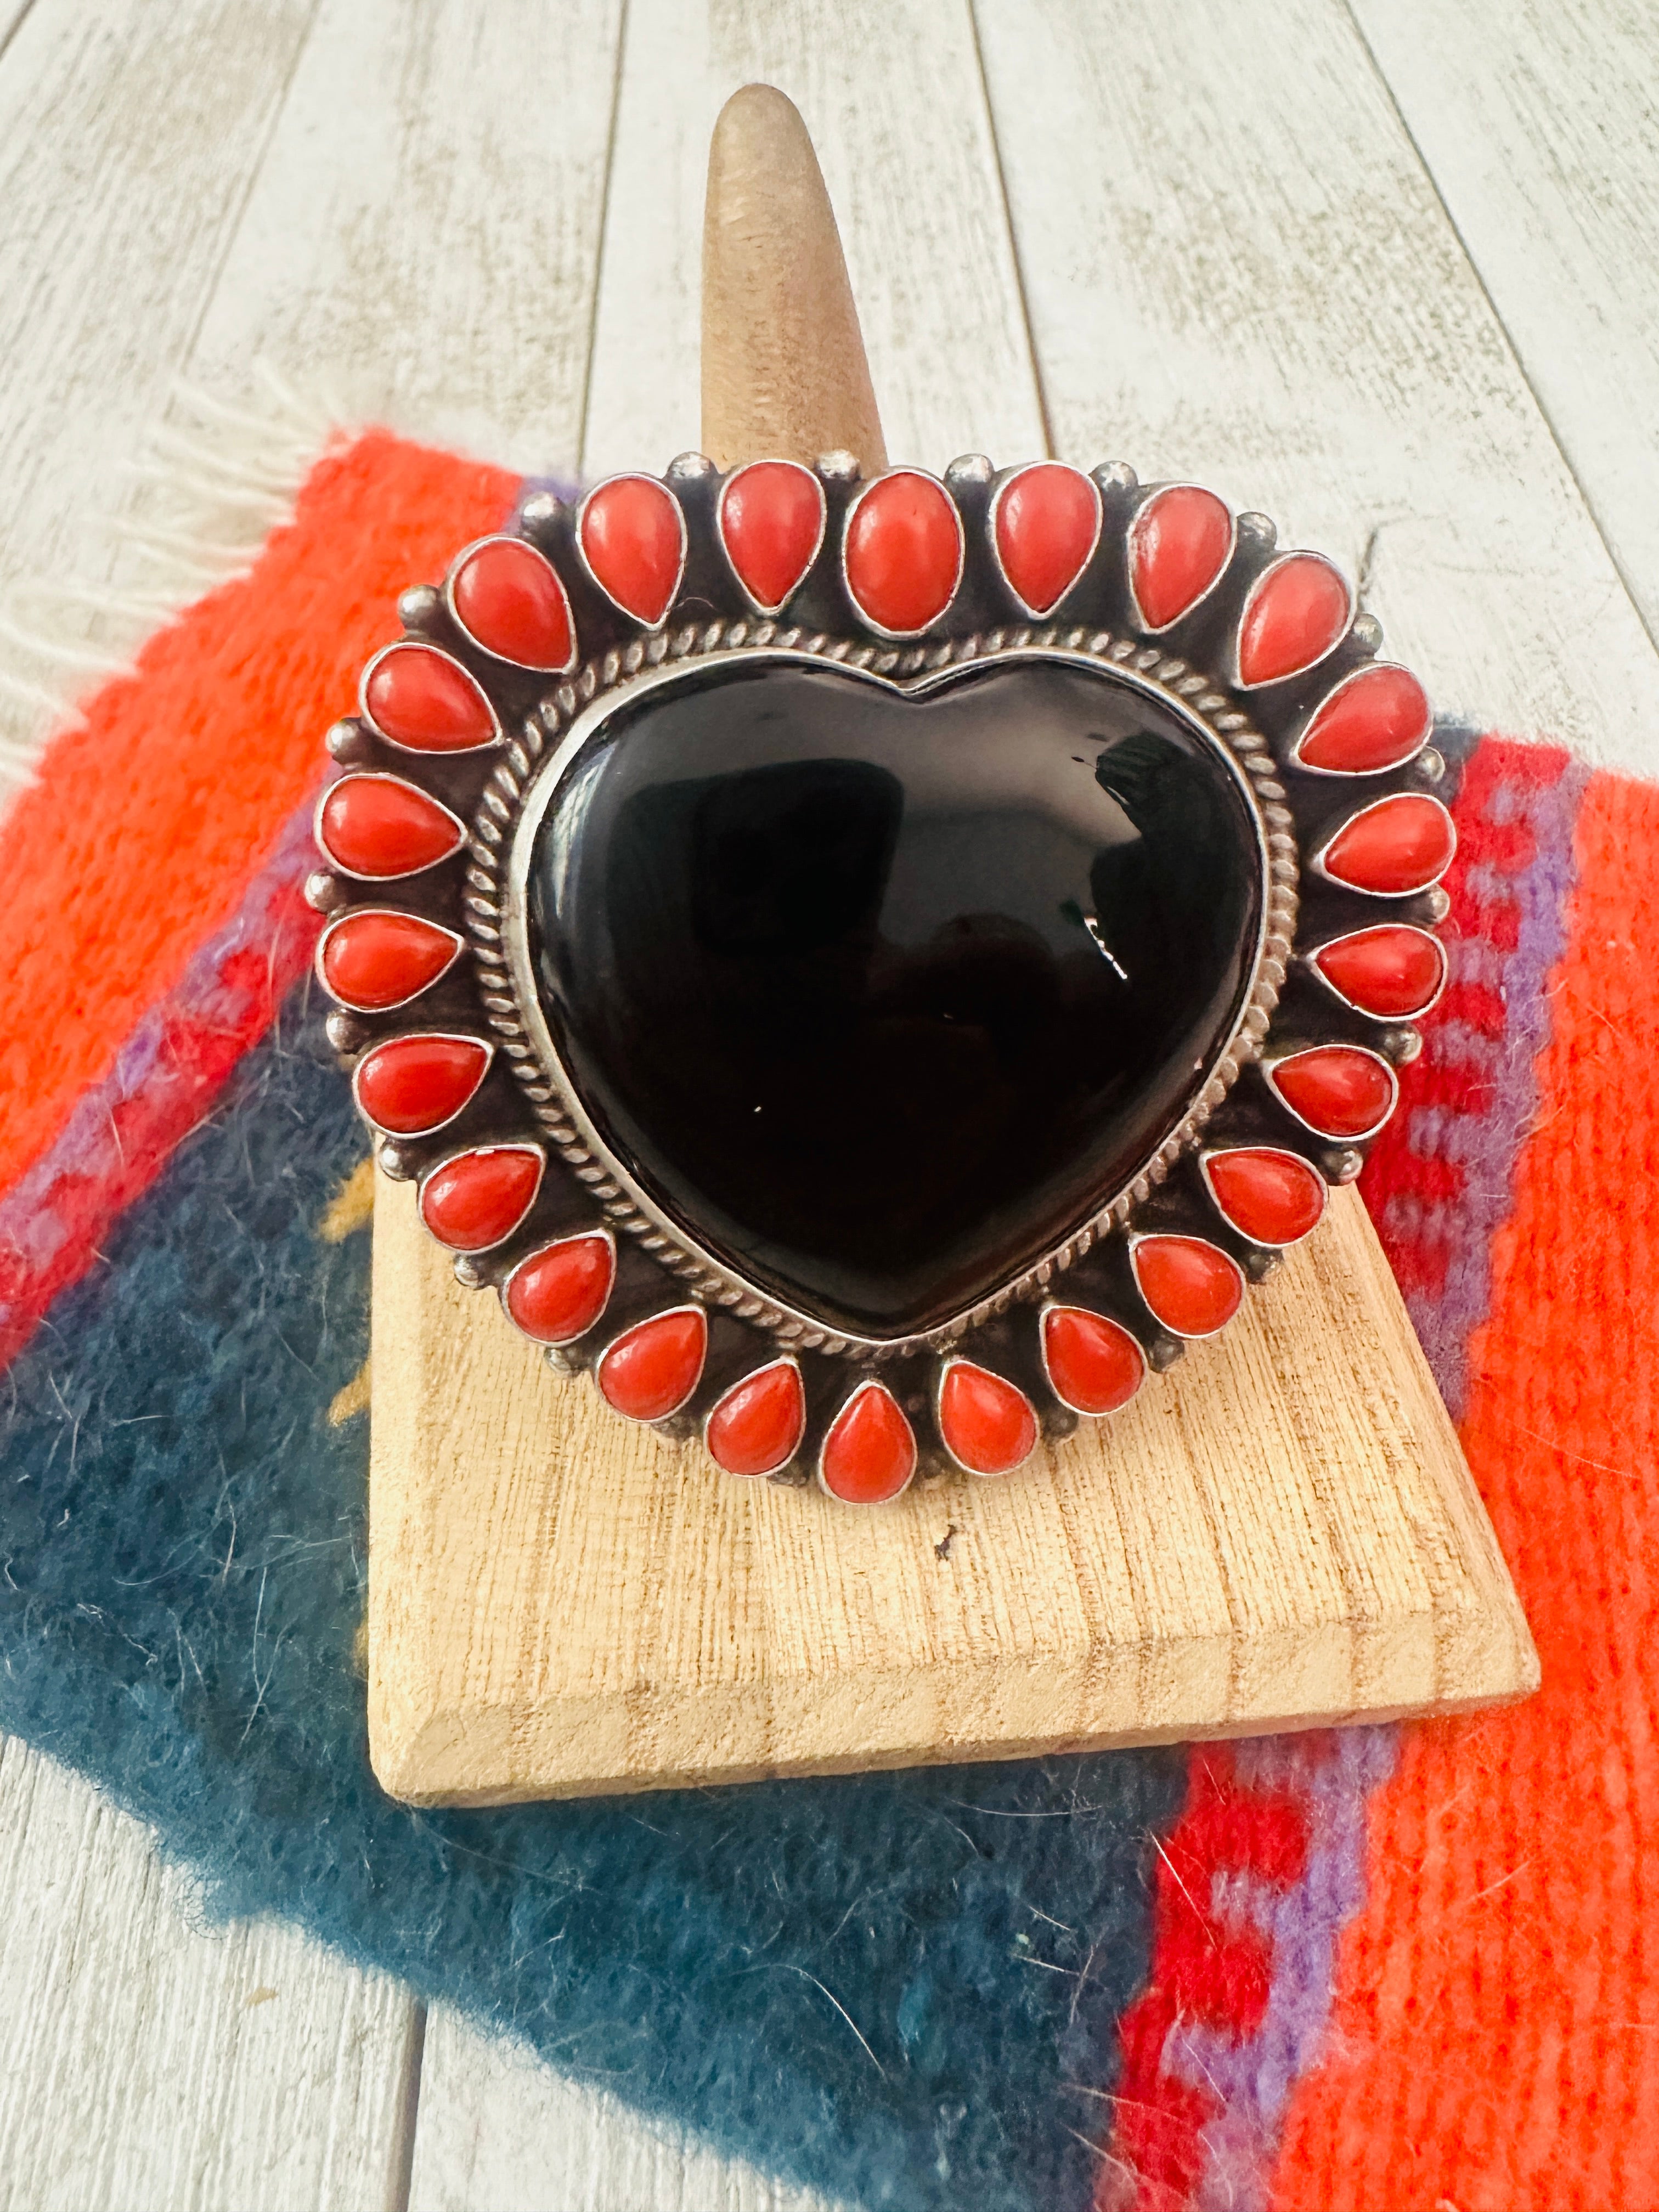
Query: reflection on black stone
x,y
881,995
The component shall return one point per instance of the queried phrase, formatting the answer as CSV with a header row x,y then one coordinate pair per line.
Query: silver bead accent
x,y
324,891
968,470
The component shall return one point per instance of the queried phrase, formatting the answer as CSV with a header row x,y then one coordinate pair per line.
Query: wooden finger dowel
x,y
783,365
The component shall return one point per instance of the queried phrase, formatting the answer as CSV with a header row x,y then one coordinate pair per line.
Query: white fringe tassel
x,y
212,484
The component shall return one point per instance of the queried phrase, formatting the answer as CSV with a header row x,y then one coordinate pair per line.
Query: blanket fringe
x,y
210,484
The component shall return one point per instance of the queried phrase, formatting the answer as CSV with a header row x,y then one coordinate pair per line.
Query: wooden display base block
x,y
1280,1533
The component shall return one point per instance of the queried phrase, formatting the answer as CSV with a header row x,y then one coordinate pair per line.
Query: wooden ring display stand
x,y
1281,1532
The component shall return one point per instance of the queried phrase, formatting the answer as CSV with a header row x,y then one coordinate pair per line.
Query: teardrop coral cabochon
x,y
1192,1287
413,1085
631,531
1393,972
771,521
1401,843
1272,1197
988,1426
509,599
475,1201
869,1454
1298,609
1378,718
1180,542
426,701
378,827
652,1369
756,1426
378,957
904,552
1093,1363
1339,1091
1045,525
559,1293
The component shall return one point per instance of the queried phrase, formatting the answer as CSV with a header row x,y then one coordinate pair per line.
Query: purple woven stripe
x,y
1484,1134
205,998
1330,1776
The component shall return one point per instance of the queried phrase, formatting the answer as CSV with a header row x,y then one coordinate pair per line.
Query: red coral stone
x,y
904,551
987,1425
478,1198
1297,611
1338,1089
653,1368
1179,543
373,960
1400,844
757,1427
558,1294
1047,524
870,1452
771,523
1193,1288
509,599
378,826
1094,1366
1269,1196
1393,971
1376,718
419,697
633,539
414,1084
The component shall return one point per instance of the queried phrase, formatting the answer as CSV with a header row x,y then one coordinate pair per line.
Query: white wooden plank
x,y
423,240
1237,270
505,2134
128,137
152,2064
1539,126
893,99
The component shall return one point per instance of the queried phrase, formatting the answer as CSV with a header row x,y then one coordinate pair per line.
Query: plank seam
x,y
1014,254
210,292
15,27
402,2173
586,409
1514,353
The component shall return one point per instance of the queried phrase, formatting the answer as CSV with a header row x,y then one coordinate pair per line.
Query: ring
x,y
868,969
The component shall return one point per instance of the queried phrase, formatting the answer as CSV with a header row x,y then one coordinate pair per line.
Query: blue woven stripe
x,y
183,1577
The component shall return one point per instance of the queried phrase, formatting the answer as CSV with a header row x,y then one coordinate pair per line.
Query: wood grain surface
x,y
473,180
1280,1532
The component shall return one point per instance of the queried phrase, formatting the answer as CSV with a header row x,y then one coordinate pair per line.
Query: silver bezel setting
x,y
523,785
1006,484
578,539
425,752
383,876
505,659
762,608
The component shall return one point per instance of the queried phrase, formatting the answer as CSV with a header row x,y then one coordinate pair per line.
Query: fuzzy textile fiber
x,y
1379,1968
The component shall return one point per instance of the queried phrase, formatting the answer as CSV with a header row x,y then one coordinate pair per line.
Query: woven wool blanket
x,y
1377,1967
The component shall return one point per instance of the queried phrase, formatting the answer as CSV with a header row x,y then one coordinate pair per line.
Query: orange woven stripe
x,y
1496,2043
147,823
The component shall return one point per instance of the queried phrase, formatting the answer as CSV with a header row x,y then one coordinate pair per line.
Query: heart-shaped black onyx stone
x,y
880,994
